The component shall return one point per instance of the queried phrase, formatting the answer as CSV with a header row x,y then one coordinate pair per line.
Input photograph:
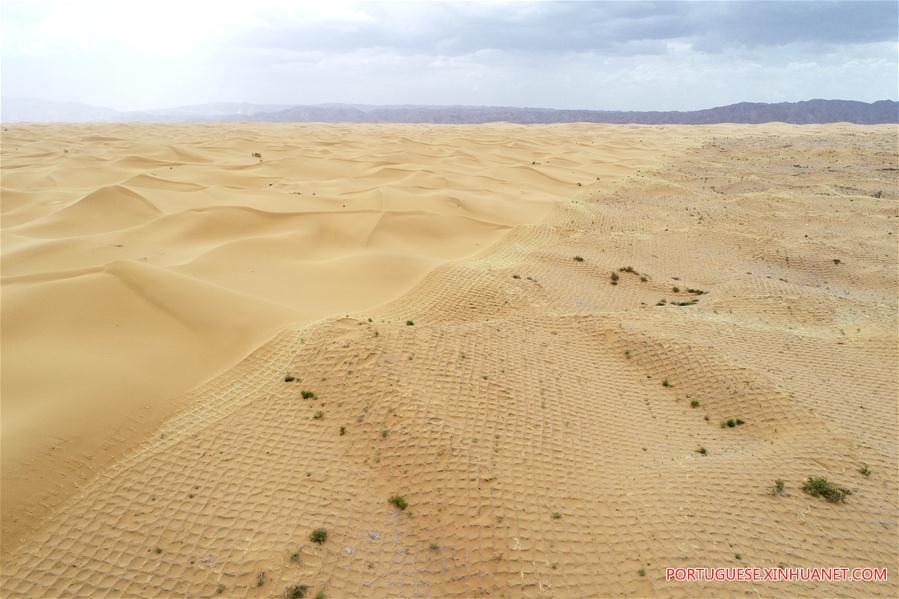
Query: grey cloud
x,y
454,29
615,55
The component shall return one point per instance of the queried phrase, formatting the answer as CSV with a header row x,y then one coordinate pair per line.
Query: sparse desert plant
x,y
665,383
737,556
675,289
556,515
318,415
864,470
696,291
289,378
398,502
434,547
320,595
836,260
319,535
731,423
702,451
694,404
627,354
578,259
778,488
297,591
686,303
643,279
661,302
739,421
409,323
342,431
219,589
614,278
157,551
257,155
818,486
295,557
260,579
629,269
516,276
307,394
641,572
384,433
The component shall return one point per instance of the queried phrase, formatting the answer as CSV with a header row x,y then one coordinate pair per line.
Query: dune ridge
x,y
544,424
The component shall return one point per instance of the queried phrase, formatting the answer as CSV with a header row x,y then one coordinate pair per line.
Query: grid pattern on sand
x,y
542,428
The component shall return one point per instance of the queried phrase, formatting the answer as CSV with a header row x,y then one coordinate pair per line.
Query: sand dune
x,y
544,424
139,261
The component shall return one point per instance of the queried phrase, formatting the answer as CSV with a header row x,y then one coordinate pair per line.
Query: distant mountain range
x,y
801,113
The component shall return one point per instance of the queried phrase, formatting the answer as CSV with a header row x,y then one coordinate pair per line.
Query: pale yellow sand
x,y
140,261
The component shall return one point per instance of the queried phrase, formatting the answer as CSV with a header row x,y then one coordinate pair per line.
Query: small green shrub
x,y
297,591
694,404
665,383
342,431
318,415
578,259
614,278
675,289
398,502
289,378
778,488
818,486
409,323
556,515
308,394
702,451
641,572
319,535
260,579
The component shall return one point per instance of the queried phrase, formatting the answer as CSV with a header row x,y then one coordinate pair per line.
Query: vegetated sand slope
x,y
539,419
139,261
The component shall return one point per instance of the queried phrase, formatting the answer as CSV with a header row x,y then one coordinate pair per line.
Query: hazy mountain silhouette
x,y
806,112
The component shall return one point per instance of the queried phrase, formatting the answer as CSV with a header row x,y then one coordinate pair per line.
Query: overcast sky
x,y
607,55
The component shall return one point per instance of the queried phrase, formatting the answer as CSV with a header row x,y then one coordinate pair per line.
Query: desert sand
x,y
533,334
